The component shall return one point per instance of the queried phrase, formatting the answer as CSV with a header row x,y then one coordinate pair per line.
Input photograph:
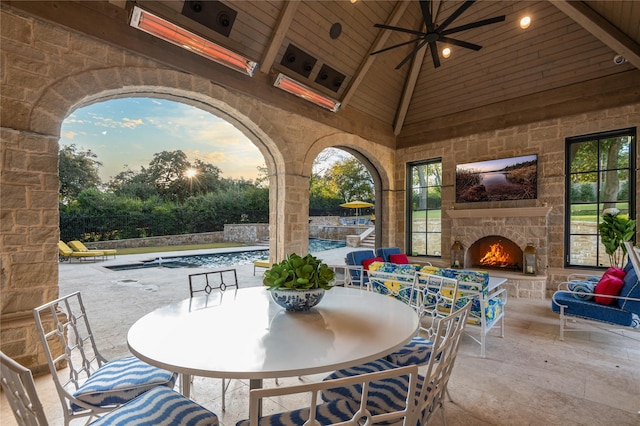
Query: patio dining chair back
x,y
20,389
341,411
205,283
446,342
159,406
216,283
433,297
88,384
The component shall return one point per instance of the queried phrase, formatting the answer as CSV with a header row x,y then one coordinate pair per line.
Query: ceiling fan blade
x,y
410,55
460,43
395,45
403,30
425,5
459,11
434,54
474,25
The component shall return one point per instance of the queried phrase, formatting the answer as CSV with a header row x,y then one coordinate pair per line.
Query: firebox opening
x,y
494,252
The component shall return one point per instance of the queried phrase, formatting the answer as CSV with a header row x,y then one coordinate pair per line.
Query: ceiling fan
x,y
437,33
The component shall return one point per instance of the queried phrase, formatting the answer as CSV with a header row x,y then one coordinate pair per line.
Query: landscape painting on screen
x,y
498,180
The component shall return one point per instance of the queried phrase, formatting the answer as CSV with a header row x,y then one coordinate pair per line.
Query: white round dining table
x,y
244,334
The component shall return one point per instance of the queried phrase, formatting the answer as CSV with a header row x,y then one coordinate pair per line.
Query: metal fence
x,y
140,225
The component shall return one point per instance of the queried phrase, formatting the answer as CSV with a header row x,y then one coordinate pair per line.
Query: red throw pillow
x,y
616,272
609,285
368,262
400,259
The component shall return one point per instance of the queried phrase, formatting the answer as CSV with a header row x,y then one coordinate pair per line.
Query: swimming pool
x,y
218,260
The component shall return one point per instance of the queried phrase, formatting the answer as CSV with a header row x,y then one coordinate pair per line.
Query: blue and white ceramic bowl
x,y
297,300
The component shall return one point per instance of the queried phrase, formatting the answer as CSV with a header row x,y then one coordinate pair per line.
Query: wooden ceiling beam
x,y
409,87
279,33
381,39
602,29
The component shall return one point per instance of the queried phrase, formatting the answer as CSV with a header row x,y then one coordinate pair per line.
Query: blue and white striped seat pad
x,y
160,406
385,395
326,414
120,381
416,352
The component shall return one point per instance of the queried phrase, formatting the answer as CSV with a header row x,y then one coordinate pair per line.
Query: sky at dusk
x,y
126,133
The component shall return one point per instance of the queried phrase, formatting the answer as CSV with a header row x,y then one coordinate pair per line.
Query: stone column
x,y
29,235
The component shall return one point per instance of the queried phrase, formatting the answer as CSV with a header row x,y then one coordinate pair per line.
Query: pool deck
x,y
116,299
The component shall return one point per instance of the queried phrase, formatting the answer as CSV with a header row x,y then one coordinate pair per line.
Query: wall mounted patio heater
x,y
167,31
295,88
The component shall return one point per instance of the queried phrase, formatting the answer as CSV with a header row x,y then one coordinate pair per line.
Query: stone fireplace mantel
x,y
499,212
521,225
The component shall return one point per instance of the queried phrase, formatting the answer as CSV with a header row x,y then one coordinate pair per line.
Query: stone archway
x,y
49,112
30,180
379,163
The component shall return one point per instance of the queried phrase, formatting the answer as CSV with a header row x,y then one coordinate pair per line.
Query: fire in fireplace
x,y
495,252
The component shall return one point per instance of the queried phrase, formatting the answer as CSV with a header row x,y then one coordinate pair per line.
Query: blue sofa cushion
x,y
355,258
385,252
631,288
589,309
582,288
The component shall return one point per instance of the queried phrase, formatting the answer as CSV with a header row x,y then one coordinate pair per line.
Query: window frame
x,y
409,210
597,137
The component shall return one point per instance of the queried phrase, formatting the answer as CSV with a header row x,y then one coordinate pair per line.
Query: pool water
x,y
219,260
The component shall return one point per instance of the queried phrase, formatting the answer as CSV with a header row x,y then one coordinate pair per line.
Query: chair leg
x,y
224,396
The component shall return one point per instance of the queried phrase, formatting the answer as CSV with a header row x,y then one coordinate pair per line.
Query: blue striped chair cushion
x,y
416,352
326,414
120,381
160,406
384,395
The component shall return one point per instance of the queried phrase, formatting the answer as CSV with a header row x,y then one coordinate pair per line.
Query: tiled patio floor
x,y
528,378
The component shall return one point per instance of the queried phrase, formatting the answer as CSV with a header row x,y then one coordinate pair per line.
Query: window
x,y
600,176
424,217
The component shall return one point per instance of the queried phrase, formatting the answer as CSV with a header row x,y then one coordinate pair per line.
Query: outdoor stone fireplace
x,y
494,240
495,252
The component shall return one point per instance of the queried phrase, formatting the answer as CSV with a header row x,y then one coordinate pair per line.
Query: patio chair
x,y
159,406
434,297
20,390
93,385
432,387
79,247
357,273
66,253
216,282
341,410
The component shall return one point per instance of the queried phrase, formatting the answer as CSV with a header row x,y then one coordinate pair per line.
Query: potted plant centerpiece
x,y
298,283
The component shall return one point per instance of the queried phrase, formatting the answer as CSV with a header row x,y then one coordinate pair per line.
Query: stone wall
x,y
547,140
49,71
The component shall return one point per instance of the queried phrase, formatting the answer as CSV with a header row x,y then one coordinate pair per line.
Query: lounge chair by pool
x,y
66,253
79,247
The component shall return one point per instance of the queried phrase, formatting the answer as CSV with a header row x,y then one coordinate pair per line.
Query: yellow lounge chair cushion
x,y
78,246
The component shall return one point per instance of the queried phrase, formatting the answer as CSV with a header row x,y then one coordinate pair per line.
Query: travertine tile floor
x,y
529,377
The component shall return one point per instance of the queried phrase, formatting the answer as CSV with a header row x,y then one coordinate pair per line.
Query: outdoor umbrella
x,y
356,205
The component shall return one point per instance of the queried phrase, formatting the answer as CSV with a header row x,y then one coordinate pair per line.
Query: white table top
x,y
248,336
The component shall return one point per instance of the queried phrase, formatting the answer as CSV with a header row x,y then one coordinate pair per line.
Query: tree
x,y
78,170
351,180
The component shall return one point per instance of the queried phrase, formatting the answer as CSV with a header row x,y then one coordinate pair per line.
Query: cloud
x,y
131,123
69,134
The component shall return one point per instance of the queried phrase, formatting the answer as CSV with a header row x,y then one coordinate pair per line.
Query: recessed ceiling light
x,y
446,52
525,22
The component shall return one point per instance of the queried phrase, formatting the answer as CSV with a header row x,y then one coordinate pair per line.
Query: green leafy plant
x,y
614,231
299,273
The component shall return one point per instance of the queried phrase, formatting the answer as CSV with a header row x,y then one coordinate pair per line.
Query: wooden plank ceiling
x,y
563,58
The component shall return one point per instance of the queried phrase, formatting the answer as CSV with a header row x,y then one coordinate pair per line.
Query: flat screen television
x,y
513,178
